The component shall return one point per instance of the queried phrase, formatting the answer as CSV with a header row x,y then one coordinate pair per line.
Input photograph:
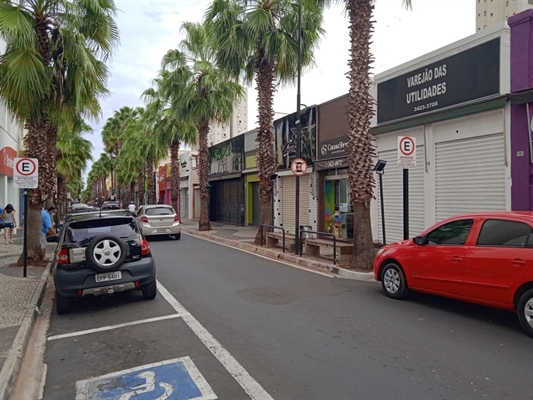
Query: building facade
x,y
11,135
454,103
237,125
494,12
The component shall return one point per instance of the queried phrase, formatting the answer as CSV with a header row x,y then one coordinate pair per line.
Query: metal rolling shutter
x,y
184,212
288,201
470,175
393,197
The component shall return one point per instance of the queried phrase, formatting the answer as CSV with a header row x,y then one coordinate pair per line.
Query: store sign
x,y
7,157
466,76
333,148
331,164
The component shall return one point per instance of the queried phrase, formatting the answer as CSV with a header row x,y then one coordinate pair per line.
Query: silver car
x,y
159,219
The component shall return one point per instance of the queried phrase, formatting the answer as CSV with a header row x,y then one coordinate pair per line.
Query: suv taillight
x,y
144,218
62,257
145,248
176,218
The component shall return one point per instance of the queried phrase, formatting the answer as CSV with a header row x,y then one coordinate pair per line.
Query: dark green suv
x,y
100,254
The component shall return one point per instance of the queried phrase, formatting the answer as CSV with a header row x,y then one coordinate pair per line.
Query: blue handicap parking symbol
x,y
176,379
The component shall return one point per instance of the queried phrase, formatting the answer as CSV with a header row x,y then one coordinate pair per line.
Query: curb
x,y
290,258
13,363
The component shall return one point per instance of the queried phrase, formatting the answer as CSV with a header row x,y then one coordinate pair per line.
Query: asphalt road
x,y
239,326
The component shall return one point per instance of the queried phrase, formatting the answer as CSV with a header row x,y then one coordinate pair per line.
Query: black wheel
x,y
177,236
393,281
150,290
63,304
106,253
524,309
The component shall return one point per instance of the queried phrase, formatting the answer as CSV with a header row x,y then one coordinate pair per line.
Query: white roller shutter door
x,y
470,175
288,202
393,197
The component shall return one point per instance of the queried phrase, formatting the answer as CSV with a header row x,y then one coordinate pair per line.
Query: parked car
x,y
159,219
79,208
483,258
100,254
111,205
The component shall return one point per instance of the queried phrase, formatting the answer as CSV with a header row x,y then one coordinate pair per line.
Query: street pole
x,y
382,206
405,204
25,251
298,128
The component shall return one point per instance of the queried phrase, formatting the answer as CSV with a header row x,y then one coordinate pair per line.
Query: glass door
x,y
338,209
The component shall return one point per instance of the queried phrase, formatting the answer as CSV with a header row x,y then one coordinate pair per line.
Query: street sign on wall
x,y
26,173
406,152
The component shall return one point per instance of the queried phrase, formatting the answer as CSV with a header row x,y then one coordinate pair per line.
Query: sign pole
x,y
382,207
298,131
25,232
405,203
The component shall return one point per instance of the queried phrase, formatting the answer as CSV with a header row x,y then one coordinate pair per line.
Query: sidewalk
x,y
20,299
243,237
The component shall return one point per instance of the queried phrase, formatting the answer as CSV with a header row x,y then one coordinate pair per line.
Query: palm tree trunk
x,y
204,224
360,144
175,174
140,187
265,155
151,183
40,140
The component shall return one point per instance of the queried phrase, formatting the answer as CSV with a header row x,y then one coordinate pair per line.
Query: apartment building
x,y
492,12
237,126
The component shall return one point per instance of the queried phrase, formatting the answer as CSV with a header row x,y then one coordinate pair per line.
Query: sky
x,y
148,29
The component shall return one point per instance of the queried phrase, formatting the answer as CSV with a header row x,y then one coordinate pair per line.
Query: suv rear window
x,y
159,211
82,232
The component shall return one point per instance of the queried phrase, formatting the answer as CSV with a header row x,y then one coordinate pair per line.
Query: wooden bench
x,y
344,249
274,239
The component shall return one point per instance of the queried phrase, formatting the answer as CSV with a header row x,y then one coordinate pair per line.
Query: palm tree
x,y
207,95
53,71
169,126
259,39
73,153
360,112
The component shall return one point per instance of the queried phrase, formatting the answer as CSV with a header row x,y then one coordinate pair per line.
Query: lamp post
x,y
298,128
379,169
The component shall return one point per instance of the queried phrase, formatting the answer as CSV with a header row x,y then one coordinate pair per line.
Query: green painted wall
x,y
249,195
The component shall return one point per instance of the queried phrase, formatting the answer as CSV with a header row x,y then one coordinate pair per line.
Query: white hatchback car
x,y
159,219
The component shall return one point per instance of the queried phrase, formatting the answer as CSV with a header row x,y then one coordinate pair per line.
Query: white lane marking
x,y
243,378
110,327
265,257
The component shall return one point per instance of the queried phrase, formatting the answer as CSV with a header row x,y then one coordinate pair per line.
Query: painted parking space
x,y
175,379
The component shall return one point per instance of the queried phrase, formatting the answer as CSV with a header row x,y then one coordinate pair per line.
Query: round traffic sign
x,y
25,167
407,145
299,166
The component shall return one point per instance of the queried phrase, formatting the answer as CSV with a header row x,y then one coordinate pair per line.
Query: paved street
x,y
235,326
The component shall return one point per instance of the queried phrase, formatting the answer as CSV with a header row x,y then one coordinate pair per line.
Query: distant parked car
x,y
159,219
483,258
99,254
80,208
111,205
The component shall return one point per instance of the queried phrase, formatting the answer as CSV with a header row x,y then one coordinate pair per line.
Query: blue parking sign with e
x,y
176,379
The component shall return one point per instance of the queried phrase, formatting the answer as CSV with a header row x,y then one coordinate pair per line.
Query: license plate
x,y
108,276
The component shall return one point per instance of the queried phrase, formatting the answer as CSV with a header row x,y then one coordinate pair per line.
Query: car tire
x,y
177,236
106,253
524,310
150,291
393,281
63,304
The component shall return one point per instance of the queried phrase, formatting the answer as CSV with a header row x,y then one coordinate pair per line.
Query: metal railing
x,y
322,234
273,227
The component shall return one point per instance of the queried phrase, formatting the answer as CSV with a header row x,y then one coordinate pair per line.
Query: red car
x,y
483,258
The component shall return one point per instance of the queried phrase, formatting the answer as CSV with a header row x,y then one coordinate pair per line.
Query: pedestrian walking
x,y
47,228
8,218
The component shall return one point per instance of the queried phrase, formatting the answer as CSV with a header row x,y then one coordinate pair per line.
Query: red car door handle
x,y
456,259
516,262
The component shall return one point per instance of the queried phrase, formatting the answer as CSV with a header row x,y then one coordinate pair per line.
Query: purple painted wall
x,y
521,79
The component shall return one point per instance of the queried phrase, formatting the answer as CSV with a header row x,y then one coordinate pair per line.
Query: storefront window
x,y
338,209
